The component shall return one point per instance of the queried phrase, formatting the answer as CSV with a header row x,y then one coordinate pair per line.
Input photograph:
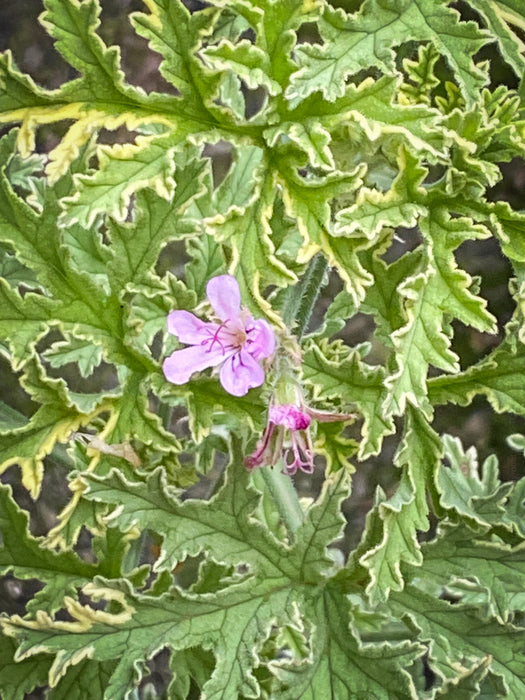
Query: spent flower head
x,y
237,343
286,435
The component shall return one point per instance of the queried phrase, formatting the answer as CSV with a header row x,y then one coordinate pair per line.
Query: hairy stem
x,y
301,298
284,495
299,303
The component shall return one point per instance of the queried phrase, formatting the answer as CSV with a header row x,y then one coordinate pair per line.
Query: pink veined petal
x,y
263,339
189,329
240,373
181,364
225,297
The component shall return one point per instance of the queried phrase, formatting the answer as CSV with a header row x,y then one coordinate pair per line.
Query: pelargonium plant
x,y
262,339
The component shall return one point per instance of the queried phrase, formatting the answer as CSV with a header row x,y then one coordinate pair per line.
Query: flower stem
x,y
298,307
301,298
284,495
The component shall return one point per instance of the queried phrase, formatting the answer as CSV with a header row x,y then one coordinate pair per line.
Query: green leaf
x,y
339,311
23,321
53,422
243,59
421,73
309,203
435,291
400,206
497,377
497,16
10,418
132,418
76,515
323,524
343,666
478,501
20,677
149,304
22,555
223,528
174,32
461,638
204,396
124,169
382,299
196,664
193,526
458,556
213,527
86,355
353,382
309,136
372,105
73,26
98,98
356,42
337,449
406,512
207,261
14,272
452,284
82,305
419,342
245,201
84,681
467,685
137,245
233,621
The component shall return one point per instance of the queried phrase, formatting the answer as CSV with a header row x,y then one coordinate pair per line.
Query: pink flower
x,y
237,344
287,434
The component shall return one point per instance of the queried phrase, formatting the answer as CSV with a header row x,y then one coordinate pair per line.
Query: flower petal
x,y
225,297
292,417
261,339
181,364
189,329
240,373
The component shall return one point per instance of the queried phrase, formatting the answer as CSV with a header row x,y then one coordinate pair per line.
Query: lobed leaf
x,y
356,42
406,512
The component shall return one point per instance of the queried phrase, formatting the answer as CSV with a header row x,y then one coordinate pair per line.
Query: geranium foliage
x,y
297,141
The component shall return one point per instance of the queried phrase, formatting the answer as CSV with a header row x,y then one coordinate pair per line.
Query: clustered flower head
x,y
237,343
286,435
